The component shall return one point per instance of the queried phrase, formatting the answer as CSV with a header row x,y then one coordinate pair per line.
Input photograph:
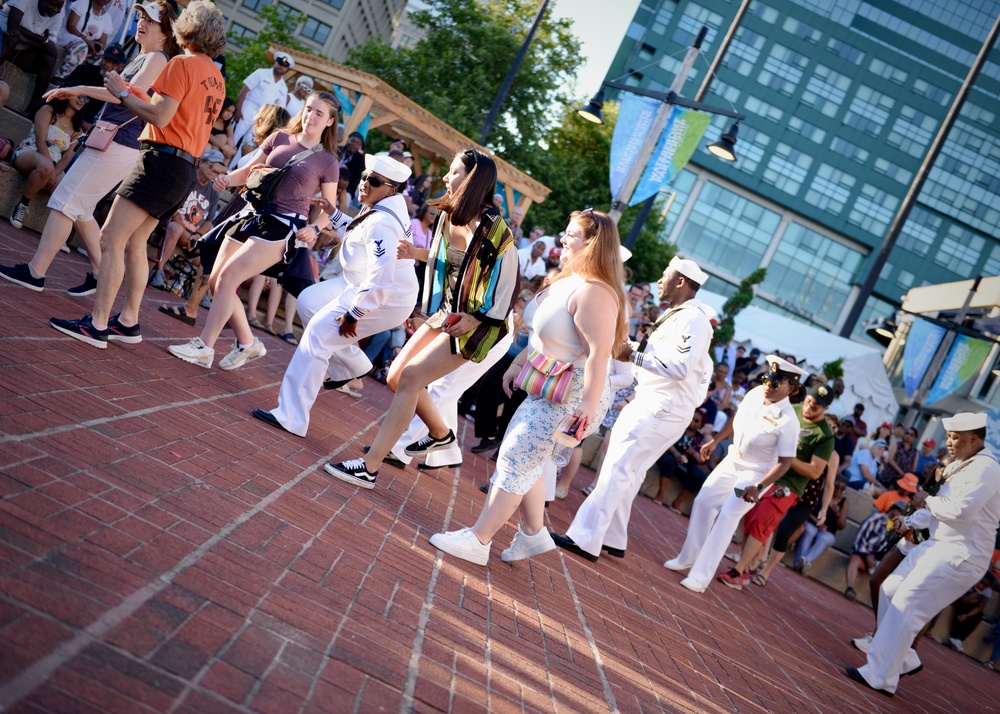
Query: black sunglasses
x,y
375,181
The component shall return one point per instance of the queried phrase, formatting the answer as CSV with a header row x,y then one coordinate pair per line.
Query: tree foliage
x,y
457,69
731,308
243,55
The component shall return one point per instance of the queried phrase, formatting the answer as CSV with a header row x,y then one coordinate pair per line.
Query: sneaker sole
x,y
670,565
230,368
127,339
467,557
81,293
530,553
429,449
99,344
348,478
36,288
190,360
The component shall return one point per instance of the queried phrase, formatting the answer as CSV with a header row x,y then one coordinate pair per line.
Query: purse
x,y
262,183
103,133
545,377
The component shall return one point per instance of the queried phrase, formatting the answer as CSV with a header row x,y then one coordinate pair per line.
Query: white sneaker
x,y
524,546
692,585
19,214
675,564
956,644
863,643
157,279
194,351
465,545
239,356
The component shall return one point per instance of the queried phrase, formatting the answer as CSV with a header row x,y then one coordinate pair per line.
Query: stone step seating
x,y
11,185
14,126
21,85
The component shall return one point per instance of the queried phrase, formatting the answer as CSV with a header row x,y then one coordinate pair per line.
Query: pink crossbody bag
x,y
545,377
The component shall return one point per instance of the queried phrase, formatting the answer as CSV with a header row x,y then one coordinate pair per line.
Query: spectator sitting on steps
x,y
870,540
29,31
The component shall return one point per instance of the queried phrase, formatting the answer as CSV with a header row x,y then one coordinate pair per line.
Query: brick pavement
x,y
162,552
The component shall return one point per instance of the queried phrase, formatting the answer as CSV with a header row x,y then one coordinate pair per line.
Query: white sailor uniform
x,y
963,519
762,433
672,371
378,289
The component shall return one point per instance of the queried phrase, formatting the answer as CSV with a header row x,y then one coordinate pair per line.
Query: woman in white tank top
x,y
580,317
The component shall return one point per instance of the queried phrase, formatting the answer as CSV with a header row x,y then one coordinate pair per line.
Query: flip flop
x,y
289,337
178,313
759,579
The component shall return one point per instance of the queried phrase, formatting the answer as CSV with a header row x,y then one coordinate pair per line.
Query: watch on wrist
x,y
759,487
316,228
122,94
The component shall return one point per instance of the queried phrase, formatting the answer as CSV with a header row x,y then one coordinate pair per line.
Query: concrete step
x,y
13,126
860,505
21,86
973,646
11,185
846,536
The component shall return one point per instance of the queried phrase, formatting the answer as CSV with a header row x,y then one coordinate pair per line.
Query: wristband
x,y
316,228
348,317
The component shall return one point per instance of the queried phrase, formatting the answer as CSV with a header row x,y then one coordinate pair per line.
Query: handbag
x,y
545,377
103,133
262,183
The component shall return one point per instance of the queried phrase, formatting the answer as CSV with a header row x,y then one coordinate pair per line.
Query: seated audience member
x,y
926,457
532,263
820,535
872,537
967,612
903,490
684,460
843,444
30,28
89,23
43,164
862,474
194,218
222,131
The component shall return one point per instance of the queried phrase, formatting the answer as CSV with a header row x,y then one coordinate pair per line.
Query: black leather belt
x,y
169,150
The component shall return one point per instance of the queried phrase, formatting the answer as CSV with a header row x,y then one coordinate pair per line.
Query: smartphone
x,y
452,320
738,492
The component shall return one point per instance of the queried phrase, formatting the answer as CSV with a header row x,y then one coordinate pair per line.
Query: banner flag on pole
x,y
922,342
635,116
965,358
676,145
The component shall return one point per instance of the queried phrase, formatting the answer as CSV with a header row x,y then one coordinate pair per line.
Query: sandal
x,y
269,328
289,338
178,313
759,579
587,490
255,323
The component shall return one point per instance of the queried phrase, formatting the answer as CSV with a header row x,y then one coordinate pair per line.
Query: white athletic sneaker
x,y
675,564
194,351
863,643
465,545
239,356
692,585
524,546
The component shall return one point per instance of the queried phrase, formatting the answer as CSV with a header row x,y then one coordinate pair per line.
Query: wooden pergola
x,y
432,141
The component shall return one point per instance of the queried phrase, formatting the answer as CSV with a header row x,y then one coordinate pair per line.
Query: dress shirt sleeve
x,y
788,439
919,519
621,375
674,350
967,493
381,238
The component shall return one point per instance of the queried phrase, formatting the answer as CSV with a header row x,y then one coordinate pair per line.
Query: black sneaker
x,y
429,444
21,275
352,471
89,287
83,330
485,445
117,332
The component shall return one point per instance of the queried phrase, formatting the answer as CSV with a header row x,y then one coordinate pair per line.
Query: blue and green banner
x,y
677,143
635,117
965,358
922,342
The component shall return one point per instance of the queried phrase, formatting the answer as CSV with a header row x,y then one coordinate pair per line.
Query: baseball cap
x,y
822,394
213,156
880,442
930,443
150,8
115,53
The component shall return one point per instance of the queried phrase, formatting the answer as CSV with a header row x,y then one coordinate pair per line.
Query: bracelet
x,y
316,228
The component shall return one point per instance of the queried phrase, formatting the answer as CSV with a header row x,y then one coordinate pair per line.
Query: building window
x,y
315,30
690,24
726,91
727,231
935,94
960,250
336,4
238,34
256,5
760,108
746,45
751,152
873,209
845,51
812,272
869,110
783,70
977,114
764,12
826,90
887,71
920,231
804,128
849,150
992,265
912,132
802,30
830,189
893,171
662,20
646,53
787,169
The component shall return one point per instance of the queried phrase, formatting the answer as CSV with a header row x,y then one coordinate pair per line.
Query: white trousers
x,y
445,393
323,349
931,577
641,434
715,515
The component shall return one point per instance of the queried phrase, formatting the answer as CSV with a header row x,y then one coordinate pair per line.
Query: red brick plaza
x,y
163,552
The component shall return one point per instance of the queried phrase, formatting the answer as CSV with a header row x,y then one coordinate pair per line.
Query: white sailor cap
x,y
284,58
785,369
689,269
304,79
966,421
390,168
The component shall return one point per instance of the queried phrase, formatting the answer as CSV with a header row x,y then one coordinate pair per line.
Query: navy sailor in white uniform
x,y
376,292
672,367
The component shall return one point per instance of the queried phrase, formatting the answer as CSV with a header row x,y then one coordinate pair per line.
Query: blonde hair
x,y
601,260
201,29
329,138
271,118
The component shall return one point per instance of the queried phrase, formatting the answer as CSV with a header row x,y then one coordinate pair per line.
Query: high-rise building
x,y
843,100
331,28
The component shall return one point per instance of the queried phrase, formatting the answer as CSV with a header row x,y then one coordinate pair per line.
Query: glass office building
x,y
843,100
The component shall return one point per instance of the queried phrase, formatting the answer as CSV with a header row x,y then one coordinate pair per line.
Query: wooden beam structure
x,y
395,114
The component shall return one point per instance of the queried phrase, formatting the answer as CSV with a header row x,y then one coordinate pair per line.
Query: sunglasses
x,y
374,181
773,379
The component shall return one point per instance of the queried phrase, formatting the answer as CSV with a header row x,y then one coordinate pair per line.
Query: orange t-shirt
x,y
884,502
196,83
